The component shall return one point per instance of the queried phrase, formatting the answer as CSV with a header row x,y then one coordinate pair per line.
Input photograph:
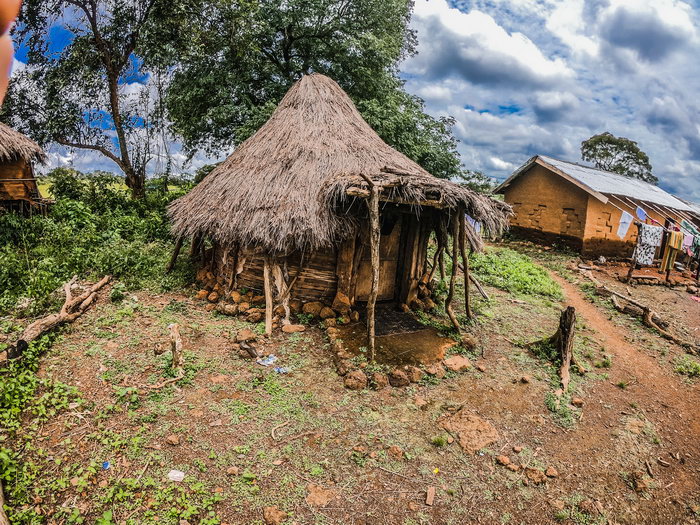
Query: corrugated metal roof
x,y
611,183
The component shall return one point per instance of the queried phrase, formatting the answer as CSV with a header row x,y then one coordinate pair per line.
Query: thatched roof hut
x,y
17,147
278,189
296,191
18,153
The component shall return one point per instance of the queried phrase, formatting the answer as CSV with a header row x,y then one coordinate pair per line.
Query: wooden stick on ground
x,y
649,317
465,262
268,296
176,349
72,308
4,520
375,235
453,276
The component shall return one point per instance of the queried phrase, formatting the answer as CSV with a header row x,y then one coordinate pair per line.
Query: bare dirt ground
x,y
248,438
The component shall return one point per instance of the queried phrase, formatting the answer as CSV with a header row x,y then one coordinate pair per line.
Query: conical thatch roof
x,y
14,146
279,188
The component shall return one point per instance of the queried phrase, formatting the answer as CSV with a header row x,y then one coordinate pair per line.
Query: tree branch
x,y
93,147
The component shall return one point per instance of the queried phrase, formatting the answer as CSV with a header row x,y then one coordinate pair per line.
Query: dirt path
x,y
670,405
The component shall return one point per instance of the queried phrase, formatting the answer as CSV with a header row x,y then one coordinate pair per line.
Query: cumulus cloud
x,y
651,30
540,76
475,47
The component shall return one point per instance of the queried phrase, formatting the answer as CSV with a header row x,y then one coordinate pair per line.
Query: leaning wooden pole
x,y
373,207
173,259
268,296
453,276
465,262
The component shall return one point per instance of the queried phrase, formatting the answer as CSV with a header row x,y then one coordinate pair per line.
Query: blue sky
x,y
523,77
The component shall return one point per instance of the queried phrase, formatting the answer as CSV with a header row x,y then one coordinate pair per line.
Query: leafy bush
x,y
93,229
514,272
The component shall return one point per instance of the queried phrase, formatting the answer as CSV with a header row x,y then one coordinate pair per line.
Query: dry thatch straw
x,y
279,189
14,146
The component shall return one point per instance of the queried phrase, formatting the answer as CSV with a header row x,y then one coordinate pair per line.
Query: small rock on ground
x,y
457,363
356,380
274,516
293,328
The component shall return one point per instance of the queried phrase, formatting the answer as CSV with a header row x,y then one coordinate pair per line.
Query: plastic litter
x,y
105,465
176,475
695,298
281,369
270,359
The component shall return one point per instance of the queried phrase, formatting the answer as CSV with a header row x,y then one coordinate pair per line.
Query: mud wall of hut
x,y
337,276
547,208
17,181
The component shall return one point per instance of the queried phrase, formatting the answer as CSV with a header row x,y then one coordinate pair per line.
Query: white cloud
x,y
540,76
474,46
17,66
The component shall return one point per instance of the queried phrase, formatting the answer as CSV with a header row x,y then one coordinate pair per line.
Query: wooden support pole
x,y
173,259
465,262
442,246
453,276
373,207
268,295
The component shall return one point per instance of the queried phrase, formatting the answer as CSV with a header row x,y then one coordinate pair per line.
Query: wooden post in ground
x,y
563,340
373,207
173,259
465,262
268,295
633,264
453,276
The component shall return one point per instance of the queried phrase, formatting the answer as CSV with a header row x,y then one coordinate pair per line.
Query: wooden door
x,y
388,261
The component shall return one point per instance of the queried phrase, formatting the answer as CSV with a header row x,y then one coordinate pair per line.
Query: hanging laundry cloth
x,y
475,224
625,221
673,248
688,242
641,214
647,241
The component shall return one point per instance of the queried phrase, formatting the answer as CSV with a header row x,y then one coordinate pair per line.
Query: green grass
x,y
687,366
514,272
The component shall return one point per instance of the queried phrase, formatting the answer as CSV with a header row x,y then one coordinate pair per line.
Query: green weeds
x,y
512,271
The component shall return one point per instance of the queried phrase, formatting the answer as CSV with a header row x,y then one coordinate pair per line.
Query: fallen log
x,y
72,308
649,317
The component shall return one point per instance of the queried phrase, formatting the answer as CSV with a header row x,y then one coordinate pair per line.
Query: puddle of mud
x,y
418,347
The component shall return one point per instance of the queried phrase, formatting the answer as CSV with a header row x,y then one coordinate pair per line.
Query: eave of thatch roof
x,y
14,146
280,188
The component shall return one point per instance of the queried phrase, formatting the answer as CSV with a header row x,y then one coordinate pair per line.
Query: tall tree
x,y
244,56
619,155
89,83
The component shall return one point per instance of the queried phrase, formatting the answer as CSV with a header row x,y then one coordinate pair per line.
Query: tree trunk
x,y
136,182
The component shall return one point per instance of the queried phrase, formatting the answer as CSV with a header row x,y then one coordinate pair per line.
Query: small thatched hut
x,y
318,207
18,188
